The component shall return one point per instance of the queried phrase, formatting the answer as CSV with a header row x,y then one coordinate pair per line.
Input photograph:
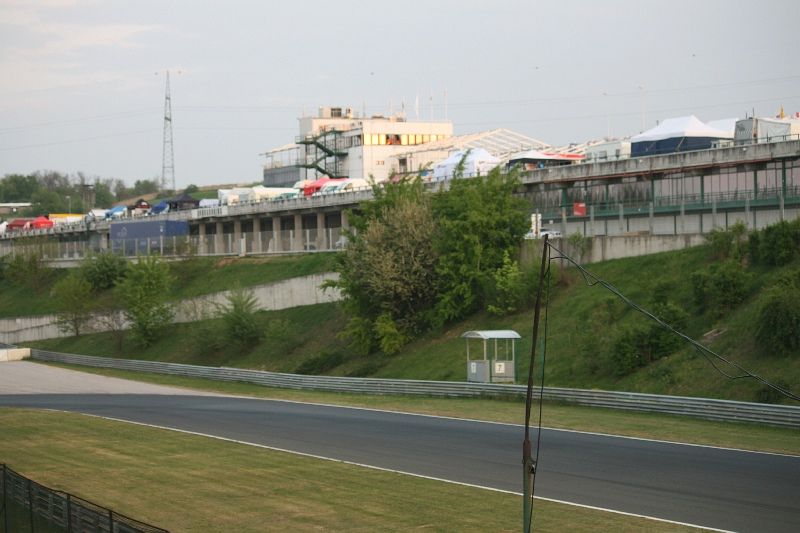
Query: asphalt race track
x,y
726,489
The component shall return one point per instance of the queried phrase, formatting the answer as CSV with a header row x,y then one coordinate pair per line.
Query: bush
x,y
508,289
720,288
778,244
239,318
766,394
639,345
320,363
390,338
778,322
103,270
29,270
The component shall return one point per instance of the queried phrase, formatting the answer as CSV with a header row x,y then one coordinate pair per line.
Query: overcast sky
x,y
79,90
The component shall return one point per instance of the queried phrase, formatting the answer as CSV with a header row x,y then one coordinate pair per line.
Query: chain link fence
x,y
30,507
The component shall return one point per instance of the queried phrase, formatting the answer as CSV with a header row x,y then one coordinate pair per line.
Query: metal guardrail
x,y
711,409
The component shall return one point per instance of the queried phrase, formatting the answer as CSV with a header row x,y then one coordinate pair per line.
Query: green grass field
x,y
188,483
195,276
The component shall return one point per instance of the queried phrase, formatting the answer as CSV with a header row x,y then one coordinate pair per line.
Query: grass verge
x,y
555,415
191,483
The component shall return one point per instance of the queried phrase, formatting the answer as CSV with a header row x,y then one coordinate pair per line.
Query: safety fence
x,y
711,409
28,506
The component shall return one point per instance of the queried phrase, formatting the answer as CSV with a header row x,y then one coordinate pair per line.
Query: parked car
x,y
551,233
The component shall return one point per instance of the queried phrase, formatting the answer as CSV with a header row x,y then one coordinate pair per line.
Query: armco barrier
x,y
777,415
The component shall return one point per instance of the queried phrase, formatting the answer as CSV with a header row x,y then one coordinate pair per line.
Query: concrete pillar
x,y
257,247
747,213
321,233
683,218
219,242
237,236
299,234
714,214
202,249
276,235
345,222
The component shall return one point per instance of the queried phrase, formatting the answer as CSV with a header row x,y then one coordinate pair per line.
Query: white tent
x,y
689,126
680,134
476,161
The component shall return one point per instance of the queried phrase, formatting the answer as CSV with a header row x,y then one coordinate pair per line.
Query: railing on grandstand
x,y
727,199
28,506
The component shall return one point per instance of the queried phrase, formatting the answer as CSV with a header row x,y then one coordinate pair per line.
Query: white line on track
x,y
372,467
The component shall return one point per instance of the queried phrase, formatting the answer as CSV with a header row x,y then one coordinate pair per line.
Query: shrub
x,y
508,290
721,288
778,244
103,270
29,270
73,295
778,322
390,338
320,363
766,394
239,318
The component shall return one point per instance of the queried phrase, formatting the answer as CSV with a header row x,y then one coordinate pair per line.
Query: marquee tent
x,y
680,134
477,161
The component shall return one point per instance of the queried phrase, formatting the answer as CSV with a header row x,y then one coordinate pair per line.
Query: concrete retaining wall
x,y
293,292
14,354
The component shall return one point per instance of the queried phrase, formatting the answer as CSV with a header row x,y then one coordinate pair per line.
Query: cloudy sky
x,y
82,82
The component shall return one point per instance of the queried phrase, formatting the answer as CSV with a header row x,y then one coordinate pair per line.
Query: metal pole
x,y
30,504
5,498
528,466
69,513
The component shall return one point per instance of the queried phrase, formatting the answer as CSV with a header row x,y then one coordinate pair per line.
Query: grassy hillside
x,y
193,277
581,322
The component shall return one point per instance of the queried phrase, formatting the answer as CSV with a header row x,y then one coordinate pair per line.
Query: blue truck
x,y
148,236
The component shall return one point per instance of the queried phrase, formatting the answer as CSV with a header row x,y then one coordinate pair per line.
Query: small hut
x,y
496,362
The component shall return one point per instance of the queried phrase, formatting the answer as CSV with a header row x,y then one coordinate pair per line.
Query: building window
x,y
404,139
375,138
379,162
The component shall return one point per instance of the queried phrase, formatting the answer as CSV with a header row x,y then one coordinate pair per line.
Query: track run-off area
x,y
700,485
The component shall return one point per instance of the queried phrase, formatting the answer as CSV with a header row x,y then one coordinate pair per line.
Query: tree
x,y
73,296
143,294
387,272
17,188
480,220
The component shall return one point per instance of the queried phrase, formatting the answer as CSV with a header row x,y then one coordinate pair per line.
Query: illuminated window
x,y
404,139
417,139
367,140
426,138
434,138
374,138
382,138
